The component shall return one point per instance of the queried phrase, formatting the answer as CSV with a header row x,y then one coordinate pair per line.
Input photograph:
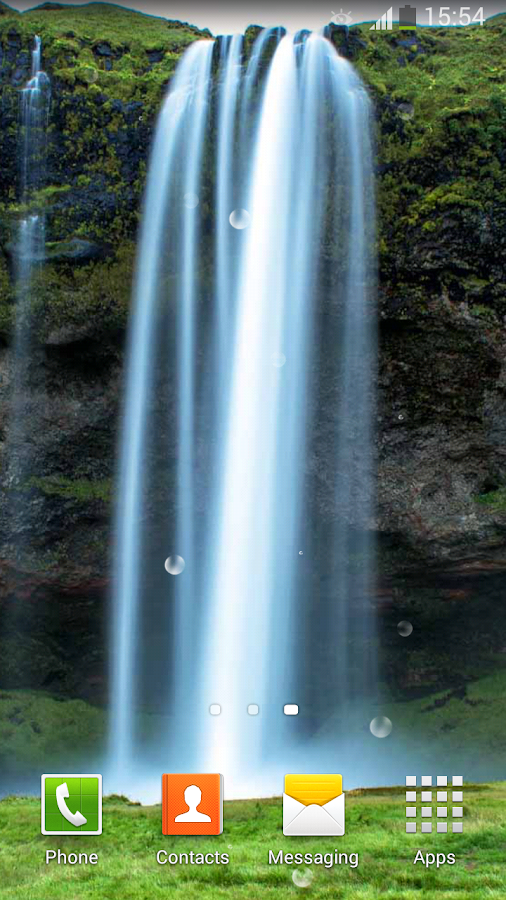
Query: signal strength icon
x,y
384,22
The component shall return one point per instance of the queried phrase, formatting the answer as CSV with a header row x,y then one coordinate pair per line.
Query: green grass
x,y
375,829
36,726
438,708
71,36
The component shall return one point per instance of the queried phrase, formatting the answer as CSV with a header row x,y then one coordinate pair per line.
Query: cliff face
x,y
442,204
108,69
440,107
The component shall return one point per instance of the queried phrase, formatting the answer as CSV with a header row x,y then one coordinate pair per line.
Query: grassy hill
x,y
123,51
37,729
127,866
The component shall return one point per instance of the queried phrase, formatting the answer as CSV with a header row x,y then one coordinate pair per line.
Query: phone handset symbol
x,y
62,794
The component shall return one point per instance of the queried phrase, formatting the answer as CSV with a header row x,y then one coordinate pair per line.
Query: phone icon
x,y
62,794
71,804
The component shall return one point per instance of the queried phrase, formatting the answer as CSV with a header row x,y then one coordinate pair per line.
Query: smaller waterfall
x,y
35,98
29,252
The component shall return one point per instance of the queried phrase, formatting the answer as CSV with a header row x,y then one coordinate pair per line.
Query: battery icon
x,y
407,17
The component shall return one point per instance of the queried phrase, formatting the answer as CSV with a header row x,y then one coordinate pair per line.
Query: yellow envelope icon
x,y
313,805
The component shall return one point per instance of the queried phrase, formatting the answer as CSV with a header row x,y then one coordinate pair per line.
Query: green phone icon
x,y
71,804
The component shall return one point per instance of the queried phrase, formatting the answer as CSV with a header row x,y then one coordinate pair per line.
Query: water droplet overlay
x,y
381,727
240,218
404,629
302,877
278,360
89,75
191,201
174,565
301,552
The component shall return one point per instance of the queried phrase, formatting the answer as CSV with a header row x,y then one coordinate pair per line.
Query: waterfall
x,y
29,252
247,444
35,98
174,176
226,202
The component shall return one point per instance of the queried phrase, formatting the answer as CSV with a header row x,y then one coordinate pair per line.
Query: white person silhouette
x,y
193,799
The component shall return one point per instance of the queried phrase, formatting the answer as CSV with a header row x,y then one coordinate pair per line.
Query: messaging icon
x,y
313,805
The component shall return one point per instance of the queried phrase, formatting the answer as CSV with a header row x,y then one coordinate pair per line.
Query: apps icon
x,y
313,805
437,804
192,804
71,804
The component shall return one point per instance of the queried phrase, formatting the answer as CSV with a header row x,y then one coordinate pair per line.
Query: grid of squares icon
x,y
437,798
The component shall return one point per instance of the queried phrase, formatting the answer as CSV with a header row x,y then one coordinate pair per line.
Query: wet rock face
x,y
441,441
349,41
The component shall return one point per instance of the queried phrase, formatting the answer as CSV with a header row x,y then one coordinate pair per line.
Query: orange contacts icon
x,y
192,804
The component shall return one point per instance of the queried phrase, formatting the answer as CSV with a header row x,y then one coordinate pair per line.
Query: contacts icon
x,y
192,804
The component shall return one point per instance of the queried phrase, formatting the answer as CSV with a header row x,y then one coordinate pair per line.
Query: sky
x,y
227,16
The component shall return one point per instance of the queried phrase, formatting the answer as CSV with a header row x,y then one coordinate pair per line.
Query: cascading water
x,y
226,202
29,252
35,98
247,437
175,172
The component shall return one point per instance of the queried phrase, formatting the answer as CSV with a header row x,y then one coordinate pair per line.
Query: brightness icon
x,y
341,18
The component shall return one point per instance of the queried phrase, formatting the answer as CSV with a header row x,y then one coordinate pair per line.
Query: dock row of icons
x,y
407,19
192,804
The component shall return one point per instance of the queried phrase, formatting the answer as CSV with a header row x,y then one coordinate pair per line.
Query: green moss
x,y
66,294
496,500
442,176
483,312
80,489
48,194
6,299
